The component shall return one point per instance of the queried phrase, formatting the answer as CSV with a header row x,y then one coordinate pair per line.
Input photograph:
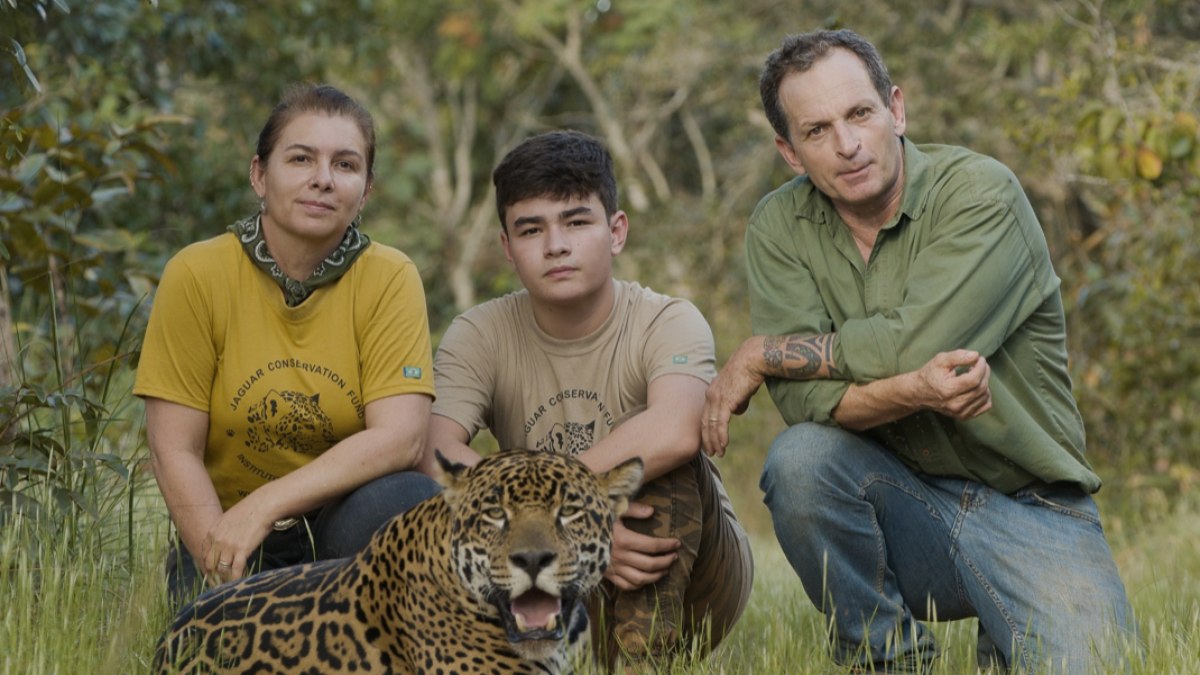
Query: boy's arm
x,y
665,435
451,439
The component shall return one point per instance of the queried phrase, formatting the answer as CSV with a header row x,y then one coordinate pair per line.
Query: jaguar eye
x,y
494,513
568,512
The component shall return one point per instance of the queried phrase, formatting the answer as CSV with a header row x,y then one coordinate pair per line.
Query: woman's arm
x,y
392,441
177,436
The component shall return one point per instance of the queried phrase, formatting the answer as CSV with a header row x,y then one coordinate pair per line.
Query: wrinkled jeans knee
x,y
806,463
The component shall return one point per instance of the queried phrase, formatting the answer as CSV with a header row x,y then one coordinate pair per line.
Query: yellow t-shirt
x,y
281,384
496,369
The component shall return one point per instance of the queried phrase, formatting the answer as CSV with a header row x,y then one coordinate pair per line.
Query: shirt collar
x,y
918,177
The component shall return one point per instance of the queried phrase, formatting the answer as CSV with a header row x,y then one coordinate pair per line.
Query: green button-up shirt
x,y
963,265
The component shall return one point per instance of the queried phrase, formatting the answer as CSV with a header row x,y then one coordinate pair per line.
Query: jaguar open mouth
x,y
535,615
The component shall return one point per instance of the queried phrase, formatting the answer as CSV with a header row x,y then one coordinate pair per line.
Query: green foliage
x,y
61,166
1091,105
126,129
68,605
67,463
1129,158
111,613
73,284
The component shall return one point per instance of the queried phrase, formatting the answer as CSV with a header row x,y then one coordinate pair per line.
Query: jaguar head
x,y
532,536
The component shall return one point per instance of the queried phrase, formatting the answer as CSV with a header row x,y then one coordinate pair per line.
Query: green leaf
x,y
112,463
12,203
20,54
1109,122
30,167
104,195
1181,145
57,175
107,240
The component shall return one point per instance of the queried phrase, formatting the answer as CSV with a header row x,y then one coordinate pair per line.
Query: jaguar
x,y
489,576
291,420
571,438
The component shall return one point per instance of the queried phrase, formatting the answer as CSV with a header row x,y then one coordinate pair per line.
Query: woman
x,y
286,367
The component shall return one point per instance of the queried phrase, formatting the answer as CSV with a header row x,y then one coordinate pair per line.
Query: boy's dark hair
x,y
555,165
798,53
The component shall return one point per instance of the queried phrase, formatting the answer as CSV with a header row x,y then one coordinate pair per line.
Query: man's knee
x,y
807,458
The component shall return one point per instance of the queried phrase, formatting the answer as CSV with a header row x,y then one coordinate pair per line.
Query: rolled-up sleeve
x,y
785,300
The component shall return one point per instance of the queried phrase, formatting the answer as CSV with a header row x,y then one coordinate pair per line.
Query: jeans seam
x,y
1017,635
881,548
966,499
1052,505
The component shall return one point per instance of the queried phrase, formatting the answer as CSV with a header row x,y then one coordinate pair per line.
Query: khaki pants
x,y
706,588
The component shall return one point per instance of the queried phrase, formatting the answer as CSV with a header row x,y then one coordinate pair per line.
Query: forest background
x,y
127,127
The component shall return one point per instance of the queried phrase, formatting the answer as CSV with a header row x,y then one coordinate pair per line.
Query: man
x,y
581,363
909,327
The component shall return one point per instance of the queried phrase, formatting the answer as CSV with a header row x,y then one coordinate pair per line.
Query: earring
x,y
262,207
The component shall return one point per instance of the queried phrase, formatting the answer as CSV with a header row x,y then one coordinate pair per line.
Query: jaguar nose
x,y
532,562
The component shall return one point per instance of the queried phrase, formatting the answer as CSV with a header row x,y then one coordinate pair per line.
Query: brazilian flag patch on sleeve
x,y
412,372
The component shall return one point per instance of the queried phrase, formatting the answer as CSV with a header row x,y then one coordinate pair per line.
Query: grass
x,y
87,607
91,608
84,599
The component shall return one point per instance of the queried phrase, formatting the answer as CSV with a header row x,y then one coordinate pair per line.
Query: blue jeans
x,y
880,548
338,530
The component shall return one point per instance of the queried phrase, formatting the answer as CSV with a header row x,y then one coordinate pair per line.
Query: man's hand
x,y
729,394
638,559
955,384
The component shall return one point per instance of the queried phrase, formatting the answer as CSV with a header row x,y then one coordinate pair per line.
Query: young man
x,y
581,363
908,325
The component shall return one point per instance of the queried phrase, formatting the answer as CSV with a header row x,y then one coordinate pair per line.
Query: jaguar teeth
x,y
522,626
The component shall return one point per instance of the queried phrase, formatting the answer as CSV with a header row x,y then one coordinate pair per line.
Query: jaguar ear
x,y
452,476
622,482
450,468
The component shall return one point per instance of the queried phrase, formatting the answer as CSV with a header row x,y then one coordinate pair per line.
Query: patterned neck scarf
x,y
249,232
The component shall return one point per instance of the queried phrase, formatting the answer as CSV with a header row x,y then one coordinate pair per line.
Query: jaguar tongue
x,y
536,610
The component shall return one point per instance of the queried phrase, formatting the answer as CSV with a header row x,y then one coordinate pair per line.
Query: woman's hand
x,y
233,539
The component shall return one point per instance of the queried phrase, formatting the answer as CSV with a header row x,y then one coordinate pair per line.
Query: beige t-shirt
x,y
495,368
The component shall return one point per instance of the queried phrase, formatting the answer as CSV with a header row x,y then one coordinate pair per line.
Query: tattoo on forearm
x,y
801,357
772,354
